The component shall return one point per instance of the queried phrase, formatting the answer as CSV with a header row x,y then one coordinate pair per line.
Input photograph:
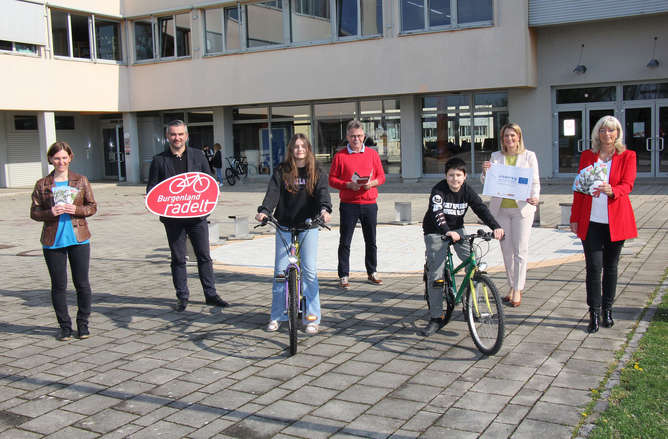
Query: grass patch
x,y
639,404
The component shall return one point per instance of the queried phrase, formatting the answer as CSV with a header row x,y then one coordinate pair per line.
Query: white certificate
x,y
508,182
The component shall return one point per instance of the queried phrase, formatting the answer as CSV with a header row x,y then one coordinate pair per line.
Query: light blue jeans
x,y
219,175
310,287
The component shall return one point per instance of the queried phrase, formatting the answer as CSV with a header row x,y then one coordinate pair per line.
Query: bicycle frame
x,y
294,262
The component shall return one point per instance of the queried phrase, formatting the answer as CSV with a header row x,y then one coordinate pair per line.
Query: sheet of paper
x,y
508,182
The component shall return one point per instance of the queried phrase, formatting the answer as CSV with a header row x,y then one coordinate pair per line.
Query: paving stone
x,y
91,404
497,386
527,397
364,394
498,430
562,395
340,410
196,415
106,421
163,430
51,422
384,379
531,429
483,402
154,416
396,408
370,426
336,381
255,427
512,414
437,432
467,420
228,399
555,413
38,406
211,429
72,433
14,433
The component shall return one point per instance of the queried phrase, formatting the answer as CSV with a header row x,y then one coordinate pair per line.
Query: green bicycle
x,y
481,305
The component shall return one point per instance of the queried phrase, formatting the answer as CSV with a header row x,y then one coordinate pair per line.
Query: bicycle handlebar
x,y
310,223
480,234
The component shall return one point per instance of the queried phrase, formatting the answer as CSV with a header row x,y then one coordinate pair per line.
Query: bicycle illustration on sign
x,y
196,180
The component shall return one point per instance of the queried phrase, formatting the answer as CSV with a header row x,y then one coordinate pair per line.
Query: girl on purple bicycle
x,y
297,191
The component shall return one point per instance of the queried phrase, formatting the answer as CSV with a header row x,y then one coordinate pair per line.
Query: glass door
x,y
661,157
594,113
570,139
114,152
639,134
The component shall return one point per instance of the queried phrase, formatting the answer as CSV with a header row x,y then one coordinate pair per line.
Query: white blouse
x,y
599,205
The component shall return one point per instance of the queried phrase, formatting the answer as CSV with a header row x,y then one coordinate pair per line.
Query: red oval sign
x,y
187,195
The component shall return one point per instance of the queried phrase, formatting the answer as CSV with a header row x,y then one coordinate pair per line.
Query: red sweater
x,y
365,163
620,213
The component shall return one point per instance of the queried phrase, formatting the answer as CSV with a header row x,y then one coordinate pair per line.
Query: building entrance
x,y
114,150
645,127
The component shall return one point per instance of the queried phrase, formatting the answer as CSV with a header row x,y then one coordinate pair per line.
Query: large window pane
x,y
332,120
412,15
80,36
213,24
232,29
183,35
471,11
310,20
265,24
143,40
439,13
108,39
166,36
372,17
25,48
347,15
586,94
381,120
60,34
6,45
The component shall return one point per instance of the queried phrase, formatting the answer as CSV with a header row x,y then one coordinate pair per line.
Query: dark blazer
x,y
162,168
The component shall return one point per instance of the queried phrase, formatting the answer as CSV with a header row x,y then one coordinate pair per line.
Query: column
x,y
411,140
131,147
222,131
46,121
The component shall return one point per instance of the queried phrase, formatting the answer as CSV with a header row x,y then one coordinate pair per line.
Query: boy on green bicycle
x,y
448,202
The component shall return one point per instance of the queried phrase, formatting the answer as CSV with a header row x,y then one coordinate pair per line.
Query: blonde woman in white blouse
x,y
514,216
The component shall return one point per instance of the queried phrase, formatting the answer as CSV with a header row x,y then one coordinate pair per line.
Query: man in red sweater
x,y
355,172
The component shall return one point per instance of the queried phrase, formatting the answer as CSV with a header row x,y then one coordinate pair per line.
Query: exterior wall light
x,y
580,69
653,63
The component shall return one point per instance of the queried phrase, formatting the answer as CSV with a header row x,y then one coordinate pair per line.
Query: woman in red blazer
x,y
604,219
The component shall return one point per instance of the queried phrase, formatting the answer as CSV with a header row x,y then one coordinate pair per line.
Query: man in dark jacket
x,y
177,160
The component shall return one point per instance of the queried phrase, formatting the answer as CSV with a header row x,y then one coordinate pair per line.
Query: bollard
x,y
536,217
565,214
241,227
402,212
214,232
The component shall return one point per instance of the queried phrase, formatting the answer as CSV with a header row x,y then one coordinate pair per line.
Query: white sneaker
x,y
343,283
273,325
312,328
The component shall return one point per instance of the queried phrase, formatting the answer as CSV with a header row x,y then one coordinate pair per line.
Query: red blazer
x,y
620,213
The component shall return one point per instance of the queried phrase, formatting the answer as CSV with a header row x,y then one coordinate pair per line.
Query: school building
x,y
429,80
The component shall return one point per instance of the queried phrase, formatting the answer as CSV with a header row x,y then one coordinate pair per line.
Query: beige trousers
x,y
515,244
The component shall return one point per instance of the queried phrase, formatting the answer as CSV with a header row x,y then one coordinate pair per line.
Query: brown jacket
x,y
42,202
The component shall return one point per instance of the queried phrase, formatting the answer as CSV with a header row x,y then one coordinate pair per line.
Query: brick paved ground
x,y
150,372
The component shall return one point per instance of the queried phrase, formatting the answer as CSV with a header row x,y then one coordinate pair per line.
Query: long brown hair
x,y
290,171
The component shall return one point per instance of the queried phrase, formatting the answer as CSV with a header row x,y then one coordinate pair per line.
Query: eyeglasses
x,y
356,136
607,130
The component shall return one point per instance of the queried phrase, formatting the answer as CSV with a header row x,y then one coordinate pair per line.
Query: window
x,y
172,33
451,129
586,94
282,23
108,39
72,35
25,123
64,122
421,15
381,120
12,46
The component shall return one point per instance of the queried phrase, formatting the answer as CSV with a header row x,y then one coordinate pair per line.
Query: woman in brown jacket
x,y
63,200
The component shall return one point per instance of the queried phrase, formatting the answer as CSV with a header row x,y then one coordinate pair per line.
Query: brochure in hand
x,y
356,178
64,194
590,178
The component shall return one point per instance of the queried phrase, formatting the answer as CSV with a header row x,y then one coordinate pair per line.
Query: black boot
x,y
434,325
607,318
594,318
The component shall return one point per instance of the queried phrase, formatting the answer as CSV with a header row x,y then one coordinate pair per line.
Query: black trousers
x,y
56,262
367,215
601,255
197,230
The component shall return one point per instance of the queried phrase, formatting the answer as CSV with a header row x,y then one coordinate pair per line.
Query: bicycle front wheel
x,y
293,309
484,314
230,177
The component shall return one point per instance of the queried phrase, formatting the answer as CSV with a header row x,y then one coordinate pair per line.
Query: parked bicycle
x,y
295,304
481,305
237,168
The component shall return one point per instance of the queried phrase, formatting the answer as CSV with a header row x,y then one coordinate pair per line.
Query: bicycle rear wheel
x,y
230,177
243,170
293,309
484,314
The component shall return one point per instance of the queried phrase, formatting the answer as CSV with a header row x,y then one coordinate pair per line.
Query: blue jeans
x,y
310,287
219,175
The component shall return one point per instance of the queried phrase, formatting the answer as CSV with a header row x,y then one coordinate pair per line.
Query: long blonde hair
x,y
289,166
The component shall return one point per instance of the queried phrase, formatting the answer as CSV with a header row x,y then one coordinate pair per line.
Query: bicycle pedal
x,y
311,318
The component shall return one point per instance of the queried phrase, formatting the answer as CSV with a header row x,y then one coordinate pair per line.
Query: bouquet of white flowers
x,y
64,194
590,178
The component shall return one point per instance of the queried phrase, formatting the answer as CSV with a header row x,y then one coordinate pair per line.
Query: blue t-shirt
x,y
65,236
